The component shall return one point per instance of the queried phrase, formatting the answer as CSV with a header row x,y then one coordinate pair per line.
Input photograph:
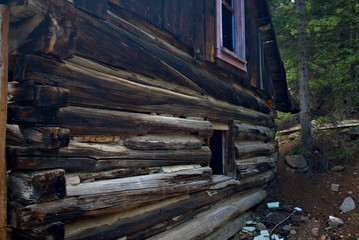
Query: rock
x,y
286,228
264,235
293,232
293,136
335,222
315,232
323,237
297,162
273,205
338,168
248,229
250,222
334,187
260,226
347,205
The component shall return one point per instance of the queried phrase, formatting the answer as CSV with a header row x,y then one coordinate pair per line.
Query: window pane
x,y
227,26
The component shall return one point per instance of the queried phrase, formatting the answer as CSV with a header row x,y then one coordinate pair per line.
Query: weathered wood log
x,y
207,222
232,227
97,138
150,220
43,33
96,8
39,137
53,231
30,94
253,149
4,62
163,142
255,165
86,121
251,132
76,178
100,199
36,187
99,157
124,94
121,48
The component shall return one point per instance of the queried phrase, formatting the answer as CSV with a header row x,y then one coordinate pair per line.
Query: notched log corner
x,y
36,187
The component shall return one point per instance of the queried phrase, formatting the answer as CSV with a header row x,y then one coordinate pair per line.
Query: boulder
x,y
297,162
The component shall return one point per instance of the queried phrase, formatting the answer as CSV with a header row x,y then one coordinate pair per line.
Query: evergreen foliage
x,y
333,52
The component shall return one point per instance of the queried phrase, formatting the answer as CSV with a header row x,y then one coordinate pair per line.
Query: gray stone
x,y
248,229
338,168
335,187
264,235
297,161
286,228
335,222
347,205
260,226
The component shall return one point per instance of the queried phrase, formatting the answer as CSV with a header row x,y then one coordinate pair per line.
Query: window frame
x,y
236,58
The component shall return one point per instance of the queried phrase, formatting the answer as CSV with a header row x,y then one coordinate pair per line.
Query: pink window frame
x,y
236,58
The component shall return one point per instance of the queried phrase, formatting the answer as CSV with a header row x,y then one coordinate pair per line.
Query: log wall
x,y
110,117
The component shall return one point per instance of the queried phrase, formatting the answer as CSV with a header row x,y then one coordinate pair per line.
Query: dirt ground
x,y
311,192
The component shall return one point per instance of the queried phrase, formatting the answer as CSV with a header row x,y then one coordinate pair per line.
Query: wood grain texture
x,y
36,187
81,157
4,31
163,142
87,121
145,222
215,217
98,198
39,137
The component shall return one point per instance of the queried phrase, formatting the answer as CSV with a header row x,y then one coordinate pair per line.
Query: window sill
x,y
231,58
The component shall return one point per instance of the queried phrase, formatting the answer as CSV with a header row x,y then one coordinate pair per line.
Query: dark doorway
x,y
216,146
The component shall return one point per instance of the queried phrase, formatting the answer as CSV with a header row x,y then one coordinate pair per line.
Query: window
x,y
230,29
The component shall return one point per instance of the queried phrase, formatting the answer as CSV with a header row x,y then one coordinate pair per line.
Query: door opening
x,y
217,147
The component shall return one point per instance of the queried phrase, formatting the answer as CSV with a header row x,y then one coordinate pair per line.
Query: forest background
x,y
333,54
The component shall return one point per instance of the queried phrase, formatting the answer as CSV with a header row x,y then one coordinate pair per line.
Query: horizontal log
x,y
87,121
39,137
99,157
255,165
110,174
97,8
207,222
152,219
228,230
99,199
163,142
253,149
36,187
53,231
123,49
42,33
247,132
30,94
125,94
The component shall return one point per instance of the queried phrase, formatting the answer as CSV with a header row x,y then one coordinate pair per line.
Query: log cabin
x,y
134,119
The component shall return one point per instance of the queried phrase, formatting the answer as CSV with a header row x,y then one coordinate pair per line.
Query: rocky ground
x,y
308,199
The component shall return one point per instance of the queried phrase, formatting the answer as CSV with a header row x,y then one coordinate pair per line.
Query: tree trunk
x,y
307,141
